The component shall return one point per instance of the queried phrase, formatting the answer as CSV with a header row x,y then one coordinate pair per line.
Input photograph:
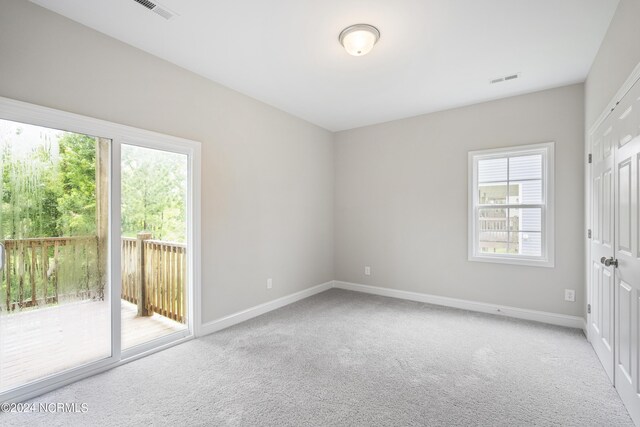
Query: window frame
x,y
547,257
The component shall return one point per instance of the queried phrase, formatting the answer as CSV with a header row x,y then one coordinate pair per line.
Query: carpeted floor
x,y
344,358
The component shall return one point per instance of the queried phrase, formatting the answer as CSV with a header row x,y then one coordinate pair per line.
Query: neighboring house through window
x,y
511,205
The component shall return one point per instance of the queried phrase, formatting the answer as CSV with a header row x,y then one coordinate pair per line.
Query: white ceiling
x,y
432,54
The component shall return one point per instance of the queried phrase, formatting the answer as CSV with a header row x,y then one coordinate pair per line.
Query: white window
x,y
511,205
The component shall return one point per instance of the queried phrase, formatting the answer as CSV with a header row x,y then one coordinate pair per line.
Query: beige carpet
x,y
343,358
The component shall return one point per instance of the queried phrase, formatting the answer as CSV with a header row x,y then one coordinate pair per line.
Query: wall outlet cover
x,y
570,295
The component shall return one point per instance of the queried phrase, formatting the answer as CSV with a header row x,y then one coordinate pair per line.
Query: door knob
x,y
609,261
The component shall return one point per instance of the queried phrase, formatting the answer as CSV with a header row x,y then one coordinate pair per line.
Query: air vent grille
x,y
156,8
505,78
146,3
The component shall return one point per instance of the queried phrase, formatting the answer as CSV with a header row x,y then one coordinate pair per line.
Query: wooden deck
x,y
37,343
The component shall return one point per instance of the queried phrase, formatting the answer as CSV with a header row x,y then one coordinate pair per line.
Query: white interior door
x,y
626,123
600,319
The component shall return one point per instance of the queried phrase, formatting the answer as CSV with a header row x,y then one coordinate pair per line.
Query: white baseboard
x,y
241,316
482,307
519,313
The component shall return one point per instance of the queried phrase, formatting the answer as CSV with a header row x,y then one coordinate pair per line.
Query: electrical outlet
x,y
570,295
367,270
269,283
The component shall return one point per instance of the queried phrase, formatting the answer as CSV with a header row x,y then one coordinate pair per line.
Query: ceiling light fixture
x,y
359,39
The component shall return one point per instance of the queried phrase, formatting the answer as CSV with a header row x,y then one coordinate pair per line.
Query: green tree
x,y
153,193
29,192
76,203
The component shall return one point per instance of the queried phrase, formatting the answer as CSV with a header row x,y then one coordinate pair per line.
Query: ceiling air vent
x,y
155,7
505,78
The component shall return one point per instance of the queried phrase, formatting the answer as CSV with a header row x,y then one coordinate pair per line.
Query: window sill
x,y
531,262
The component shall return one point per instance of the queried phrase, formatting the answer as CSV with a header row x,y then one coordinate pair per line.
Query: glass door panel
x,y
55,311
154,258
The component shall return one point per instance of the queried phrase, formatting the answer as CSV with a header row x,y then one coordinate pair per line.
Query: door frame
x,y
118,134
169,146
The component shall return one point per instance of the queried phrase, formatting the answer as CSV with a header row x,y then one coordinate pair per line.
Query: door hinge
x,y
588,308
589,233
590,158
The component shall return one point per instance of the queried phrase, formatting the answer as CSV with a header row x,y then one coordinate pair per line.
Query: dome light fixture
x,y
359,39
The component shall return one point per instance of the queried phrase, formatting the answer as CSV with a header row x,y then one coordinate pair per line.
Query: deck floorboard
x,y
38,343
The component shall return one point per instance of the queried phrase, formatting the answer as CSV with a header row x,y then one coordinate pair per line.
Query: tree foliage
x,y
153,193
50,189
77,183
29,193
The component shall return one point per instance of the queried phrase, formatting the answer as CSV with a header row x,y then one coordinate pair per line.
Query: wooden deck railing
x,y
35,269
164,274
42,271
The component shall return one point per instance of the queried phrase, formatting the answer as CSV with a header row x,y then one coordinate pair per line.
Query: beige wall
x,y
267,196
617,57
401,201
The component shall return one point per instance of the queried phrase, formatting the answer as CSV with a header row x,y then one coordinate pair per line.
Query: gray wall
x,y
617,57
401,201
267,193
269,179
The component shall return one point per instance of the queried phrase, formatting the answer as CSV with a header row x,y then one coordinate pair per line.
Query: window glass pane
x,y
55,313
492,170
514,244
526,243
525,167
153,225
492,228
529,219
528,192
514,180
496,194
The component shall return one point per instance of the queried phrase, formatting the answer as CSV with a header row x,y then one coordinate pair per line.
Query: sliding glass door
x,y
154,293
98,233
55,310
